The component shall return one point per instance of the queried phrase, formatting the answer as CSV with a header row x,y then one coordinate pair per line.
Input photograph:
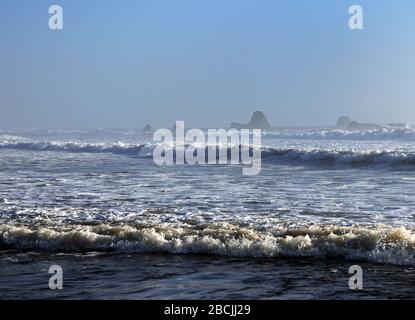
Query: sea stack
x,y
257,121
148,129
345,123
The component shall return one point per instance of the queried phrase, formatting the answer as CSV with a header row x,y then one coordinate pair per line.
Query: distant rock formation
x,y
343,122
236,125
148,129
257,121
398,125
346,124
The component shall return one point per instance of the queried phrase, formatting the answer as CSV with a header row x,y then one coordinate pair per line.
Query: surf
x,y
377,243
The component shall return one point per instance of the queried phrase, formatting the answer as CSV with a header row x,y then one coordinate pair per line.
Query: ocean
x,y
120,226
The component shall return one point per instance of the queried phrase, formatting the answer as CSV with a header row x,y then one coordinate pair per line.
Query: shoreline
x,y
157,276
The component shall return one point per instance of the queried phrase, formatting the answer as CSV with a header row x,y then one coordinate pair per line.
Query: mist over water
x,y
94,200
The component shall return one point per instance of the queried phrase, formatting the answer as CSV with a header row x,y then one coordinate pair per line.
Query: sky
x,y
123,64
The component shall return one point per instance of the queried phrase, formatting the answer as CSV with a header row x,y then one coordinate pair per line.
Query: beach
x,y
120,226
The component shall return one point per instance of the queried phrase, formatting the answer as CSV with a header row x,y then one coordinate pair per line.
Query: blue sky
x,y
128,63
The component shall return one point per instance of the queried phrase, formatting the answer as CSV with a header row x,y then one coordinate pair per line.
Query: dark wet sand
x,y
155,276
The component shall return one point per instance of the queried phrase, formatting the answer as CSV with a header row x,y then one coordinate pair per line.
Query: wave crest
x,y
381,244
383,158
341,157
385,133
115,148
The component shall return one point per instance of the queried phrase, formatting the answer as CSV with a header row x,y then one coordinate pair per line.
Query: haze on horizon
x,y
123,64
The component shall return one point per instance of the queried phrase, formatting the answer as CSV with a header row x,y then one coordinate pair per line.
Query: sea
x,y
94,203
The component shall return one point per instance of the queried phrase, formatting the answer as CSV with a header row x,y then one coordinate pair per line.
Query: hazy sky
x,y
208,62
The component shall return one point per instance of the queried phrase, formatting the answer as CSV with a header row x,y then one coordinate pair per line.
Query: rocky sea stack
x,y
148,129
345,123
258,121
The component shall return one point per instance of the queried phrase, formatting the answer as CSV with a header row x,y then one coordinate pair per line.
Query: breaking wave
x,y
340,157
337,134
115,148
379,244
292,156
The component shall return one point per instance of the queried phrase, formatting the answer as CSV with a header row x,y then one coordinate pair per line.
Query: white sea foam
x,y
381,244
385,133
116,148
288,155
340,157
